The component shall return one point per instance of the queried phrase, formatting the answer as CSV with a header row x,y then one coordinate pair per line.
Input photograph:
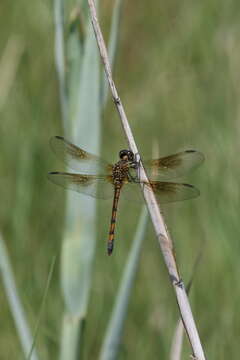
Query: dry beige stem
x,y
153,208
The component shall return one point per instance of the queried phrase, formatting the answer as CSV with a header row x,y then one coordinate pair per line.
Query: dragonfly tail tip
x,y
109,251
110,248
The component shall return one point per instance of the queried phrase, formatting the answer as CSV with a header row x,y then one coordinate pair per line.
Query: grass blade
x,y
114,331
75,49
176,348
9,63
78,249
60,58
17,310
80,233
112,46
72,332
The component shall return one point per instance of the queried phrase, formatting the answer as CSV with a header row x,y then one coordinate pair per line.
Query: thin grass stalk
x,y
23,329
49,278
113,337
154,211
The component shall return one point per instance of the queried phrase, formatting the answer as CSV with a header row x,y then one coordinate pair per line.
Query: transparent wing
x,y
165,192
173,166
78,159
100,187
131,191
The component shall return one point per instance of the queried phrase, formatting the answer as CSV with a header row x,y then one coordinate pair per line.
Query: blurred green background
x,y
177,72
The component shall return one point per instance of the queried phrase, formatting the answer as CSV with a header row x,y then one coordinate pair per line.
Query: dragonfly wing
x,y
131,191
77,158
167,192
100,187
173,166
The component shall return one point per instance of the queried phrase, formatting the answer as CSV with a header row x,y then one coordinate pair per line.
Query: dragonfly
x,y
97,178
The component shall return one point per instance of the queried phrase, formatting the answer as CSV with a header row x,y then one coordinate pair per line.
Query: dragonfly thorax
x,y
120,171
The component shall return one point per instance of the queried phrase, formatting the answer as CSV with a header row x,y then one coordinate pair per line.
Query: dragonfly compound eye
x,y
123,154
126,154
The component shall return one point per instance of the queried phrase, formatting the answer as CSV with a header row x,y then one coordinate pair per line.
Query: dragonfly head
x,y
126,155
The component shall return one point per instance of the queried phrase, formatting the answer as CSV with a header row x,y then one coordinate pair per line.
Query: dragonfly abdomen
x,y
113,220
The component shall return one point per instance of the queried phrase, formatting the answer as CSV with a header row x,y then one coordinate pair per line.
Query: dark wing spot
x,y
188,185
163,187
168,162
190,151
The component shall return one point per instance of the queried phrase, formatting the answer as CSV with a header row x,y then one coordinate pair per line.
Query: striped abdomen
x,y
113,220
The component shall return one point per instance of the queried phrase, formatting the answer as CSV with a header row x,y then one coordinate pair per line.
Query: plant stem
x,y
153,208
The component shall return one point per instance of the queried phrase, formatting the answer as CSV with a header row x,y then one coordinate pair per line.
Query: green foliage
x,y
177,74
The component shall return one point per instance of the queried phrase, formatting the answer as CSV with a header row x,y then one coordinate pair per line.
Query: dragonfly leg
x,y
134,165
132,178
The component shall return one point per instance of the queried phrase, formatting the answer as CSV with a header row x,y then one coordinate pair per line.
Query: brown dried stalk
x,y
153,208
